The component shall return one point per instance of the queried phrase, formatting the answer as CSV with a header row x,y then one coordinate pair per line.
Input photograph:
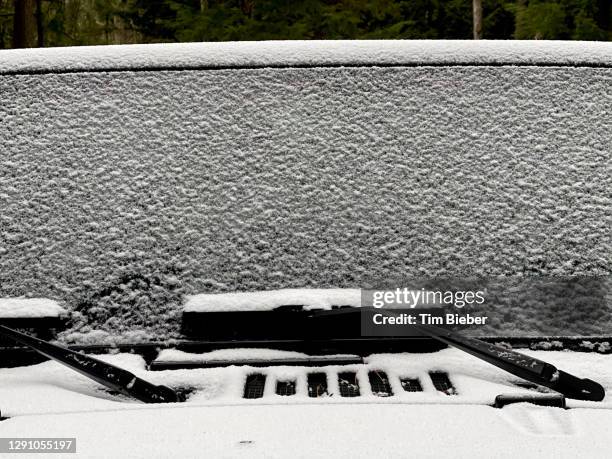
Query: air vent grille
x,y
380,384
411,385
285,387
317,385
442,383
254,387
347,382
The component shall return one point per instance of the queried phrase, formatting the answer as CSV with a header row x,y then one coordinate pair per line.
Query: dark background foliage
x,y
95,22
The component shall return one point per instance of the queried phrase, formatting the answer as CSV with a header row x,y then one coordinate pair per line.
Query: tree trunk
x,y
24,25
477,14
39,24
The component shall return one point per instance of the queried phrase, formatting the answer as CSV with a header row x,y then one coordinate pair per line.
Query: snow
x,y
26,390
272,299
323,431
299,53
268,300
174,355
123,191
49,400
12,308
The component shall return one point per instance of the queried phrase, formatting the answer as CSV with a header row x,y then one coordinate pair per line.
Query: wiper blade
x,y
108,375
521,365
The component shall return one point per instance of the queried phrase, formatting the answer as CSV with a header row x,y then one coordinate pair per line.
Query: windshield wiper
x,y
108,375
521,365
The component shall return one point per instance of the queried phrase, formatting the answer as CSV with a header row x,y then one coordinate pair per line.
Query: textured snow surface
x,y
266,300
283,53
48,400
29,308
121,192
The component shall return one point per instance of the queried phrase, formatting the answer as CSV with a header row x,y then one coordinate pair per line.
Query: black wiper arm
x,y
521,365
108,375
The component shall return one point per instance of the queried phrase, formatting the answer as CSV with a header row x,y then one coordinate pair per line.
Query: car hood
x,y
48,400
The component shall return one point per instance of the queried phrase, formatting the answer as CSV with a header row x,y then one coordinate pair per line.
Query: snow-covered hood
x,y
49,400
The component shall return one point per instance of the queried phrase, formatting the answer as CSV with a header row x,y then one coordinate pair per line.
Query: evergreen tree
x,y
90,22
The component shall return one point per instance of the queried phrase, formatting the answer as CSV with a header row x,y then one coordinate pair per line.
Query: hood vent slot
x,y
317,385
442,383
380,384
254,387
348,384
411,384
285,387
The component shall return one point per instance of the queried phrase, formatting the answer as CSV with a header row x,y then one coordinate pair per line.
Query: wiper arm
x,y
521,365
108,375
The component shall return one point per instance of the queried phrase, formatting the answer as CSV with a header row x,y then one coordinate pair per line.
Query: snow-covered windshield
x,y
124,191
